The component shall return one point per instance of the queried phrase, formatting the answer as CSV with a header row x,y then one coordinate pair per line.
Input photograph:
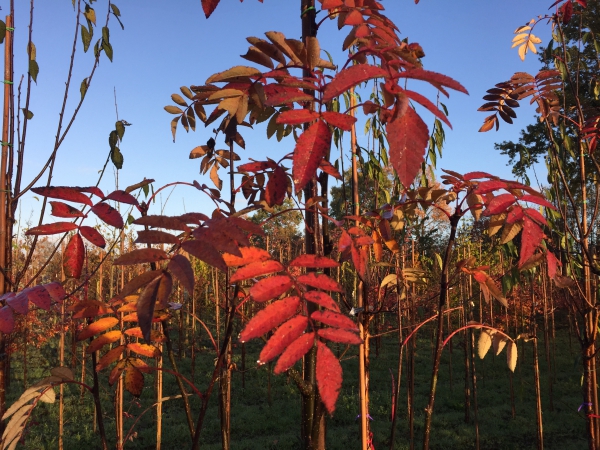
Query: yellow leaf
x,y
234,72
522,51
511,356
484,343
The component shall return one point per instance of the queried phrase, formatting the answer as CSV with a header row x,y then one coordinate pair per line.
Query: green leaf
x,y
117,157
83,88
115,10
27,113
34,69
2,31
105,34
86,38
108,50
120,128
130,219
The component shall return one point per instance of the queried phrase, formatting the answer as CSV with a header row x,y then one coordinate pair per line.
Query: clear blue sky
x,y
168,44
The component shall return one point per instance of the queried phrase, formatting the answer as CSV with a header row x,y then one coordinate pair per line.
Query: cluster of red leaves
x,y
297,332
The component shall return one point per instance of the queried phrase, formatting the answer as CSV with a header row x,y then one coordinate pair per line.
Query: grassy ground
x,y
258,423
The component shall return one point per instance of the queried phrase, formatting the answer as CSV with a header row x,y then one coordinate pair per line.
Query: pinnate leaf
x,y
340,335
407,137
270,287
134,381
531,238
141,256
145,306
537,200
484,343
122,197
339,120
270,317
182,269
144,349
257,269
284,336
311,147
92,235
320,281
69,194
249,255
315,261
322,299
512,355
329,376
297,116
276,187
101,341
294,352
334,319
350,77
108,215
499,204
51,228
204,251
73,257
96,327
60,209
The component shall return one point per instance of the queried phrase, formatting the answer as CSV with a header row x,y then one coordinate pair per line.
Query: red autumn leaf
x,y
407,137
192,217
284,336
56,291
141,256
116,372
316,261
60,209
297,116
109,357
322,299
108,215
341,336
182,269
354,17
164,291
490,186
567,12
249,255
40,297
531,238
205,252
145,307
480,277
320,281
101,341
73,257
144,349
270,317
359,258
294,352
349,77
246,225
92,235
96,327
122,197
139,281
7,320
256,269
281,95
534,214
552,264
329,169
330,4
329,376
474,175
276,187
334,319
134,381
270,287
158,221
257,166
339,120
345,241
537,200
208,6
219,238
156,237
92,190
436,79
499,204
63,193
311,148
51,228
515,215
19,303
424,101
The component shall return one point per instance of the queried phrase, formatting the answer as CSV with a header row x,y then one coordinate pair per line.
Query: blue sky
x,y
169,44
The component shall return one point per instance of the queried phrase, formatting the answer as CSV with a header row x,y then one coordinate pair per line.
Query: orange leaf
x,y
134,381
256,269
144,349
98,326
109,357
249,255
101,341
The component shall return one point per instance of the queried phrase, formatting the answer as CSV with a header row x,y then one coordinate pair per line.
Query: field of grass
x,y
258,423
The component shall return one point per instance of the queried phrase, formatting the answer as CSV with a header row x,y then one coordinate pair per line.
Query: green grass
x,y
260,424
